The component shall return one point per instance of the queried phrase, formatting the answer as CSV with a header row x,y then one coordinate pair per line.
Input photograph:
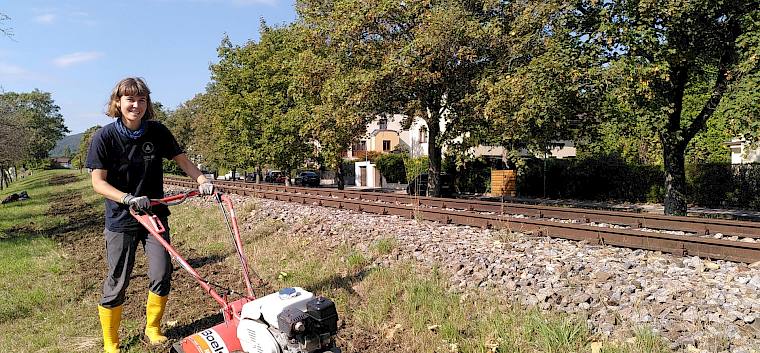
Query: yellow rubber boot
x,y
154,311
110,319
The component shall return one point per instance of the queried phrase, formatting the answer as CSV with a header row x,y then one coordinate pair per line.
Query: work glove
x,y
206,188
138,203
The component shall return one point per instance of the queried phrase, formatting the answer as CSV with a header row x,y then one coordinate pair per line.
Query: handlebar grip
x,y
179,198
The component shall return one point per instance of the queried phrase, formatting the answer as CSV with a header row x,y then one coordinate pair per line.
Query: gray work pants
x,y
120,254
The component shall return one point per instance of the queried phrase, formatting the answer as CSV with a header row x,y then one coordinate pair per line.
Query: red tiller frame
x,y
230,310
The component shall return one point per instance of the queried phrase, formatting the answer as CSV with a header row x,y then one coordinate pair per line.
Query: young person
x,y
126,159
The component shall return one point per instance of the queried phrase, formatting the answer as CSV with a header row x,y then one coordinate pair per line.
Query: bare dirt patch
x,y
189,309
63,179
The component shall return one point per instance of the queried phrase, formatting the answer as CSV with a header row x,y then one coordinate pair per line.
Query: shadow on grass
x,y
181,331
206,260
342,282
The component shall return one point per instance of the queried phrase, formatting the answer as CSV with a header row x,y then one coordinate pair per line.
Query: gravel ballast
x,y
696,304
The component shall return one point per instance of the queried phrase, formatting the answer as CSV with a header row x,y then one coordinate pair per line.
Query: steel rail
x,y
382,204
699,226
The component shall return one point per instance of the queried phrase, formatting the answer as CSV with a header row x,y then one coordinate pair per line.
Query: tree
x,y
80,158
421,58
67,152
328,85
655,53
12,148
538,89
5,30
210,140
37,112
260,117
32,125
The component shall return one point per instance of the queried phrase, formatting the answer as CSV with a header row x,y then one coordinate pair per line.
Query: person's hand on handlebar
x,y
138,203
206,188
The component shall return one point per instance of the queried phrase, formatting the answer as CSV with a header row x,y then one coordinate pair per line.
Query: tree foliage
x,y
259,120
80,158
648,82
330,85
657,54
419,58
30,126
4,29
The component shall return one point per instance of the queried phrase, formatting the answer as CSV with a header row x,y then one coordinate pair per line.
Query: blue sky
x,y
78,50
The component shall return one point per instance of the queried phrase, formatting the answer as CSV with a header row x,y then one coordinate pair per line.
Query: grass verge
x,y
40,310
403,308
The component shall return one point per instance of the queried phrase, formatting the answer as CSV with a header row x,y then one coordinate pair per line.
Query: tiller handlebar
x,y
151,222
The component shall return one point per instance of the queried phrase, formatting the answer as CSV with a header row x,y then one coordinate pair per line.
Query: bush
x,y
471,176
708,184
348,169
392,167
416,166
601,178
724,185
609,178
171,167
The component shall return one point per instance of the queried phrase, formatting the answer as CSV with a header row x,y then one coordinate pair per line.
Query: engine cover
x,y
289,321
255,337
269,306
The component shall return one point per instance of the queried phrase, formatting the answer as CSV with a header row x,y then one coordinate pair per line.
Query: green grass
x,y
385,246
405,305
643,340
38,307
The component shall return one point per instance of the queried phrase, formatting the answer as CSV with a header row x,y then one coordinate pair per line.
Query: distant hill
x,y
72,141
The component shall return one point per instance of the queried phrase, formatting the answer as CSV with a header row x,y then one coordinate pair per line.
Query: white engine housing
x,y
259,316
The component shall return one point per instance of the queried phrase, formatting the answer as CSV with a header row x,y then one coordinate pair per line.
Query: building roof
x,y
374,133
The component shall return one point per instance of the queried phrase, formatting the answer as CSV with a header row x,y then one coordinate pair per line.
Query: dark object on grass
x,y
16,197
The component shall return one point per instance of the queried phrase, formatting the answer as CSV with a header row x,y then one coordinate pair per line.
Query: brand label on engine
x,y
209,341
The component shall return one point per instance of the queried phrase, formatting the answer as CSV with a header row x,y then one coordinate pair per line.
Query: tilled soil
x,y
189,309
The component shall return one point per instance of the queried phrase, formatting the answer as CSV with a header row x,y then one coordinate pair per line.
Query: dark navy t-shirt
x,y
133,166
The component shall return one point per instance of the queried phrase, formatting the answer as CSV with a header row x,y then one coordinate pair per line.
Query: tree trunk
x,y
2,178
675,178
258,175
287,178
339,174
434,153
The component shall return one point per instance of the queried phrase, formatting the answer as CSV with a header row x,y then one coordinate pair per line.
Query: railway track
x,y
686,236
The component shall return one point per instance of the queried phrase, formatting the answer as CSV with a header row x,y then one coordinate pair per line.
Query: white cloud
x,y
11,70
47,18
14,74
76,58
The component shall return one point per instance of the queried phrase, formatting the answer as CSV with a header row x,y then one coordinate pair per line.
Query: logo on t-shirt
x,y
148,148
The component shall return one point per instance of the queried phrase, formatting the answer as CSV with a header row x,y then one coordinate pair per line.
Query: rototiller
x,y
292,320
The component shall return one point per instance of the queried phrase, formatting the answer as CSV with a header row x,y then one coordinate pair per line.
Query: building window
x,y
423,134
360,146
383,124
386,145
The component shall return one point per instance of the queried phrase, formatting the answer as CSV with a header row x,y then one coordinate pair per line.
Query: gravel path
x,y
698,305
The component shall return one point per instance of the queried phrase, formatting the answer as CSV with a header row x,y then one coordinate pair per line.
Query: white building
x,y
384,134
742,153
